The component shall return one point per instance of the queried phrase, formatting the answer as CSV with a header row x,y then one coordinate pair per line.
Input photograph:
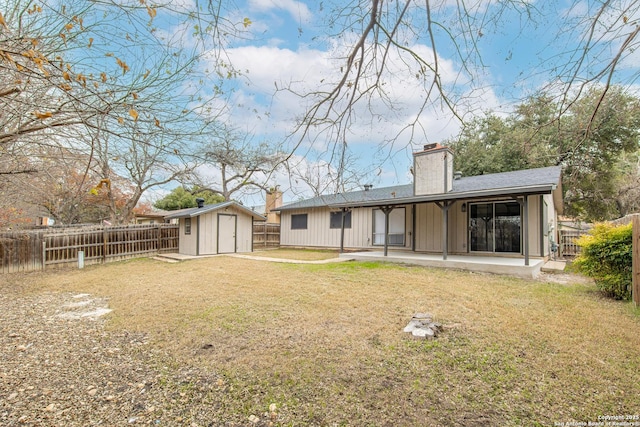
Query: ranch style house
x,y
507,215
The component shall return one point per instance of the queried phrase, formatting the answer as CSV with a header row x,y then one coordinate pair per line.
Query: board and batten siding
x,y
204,231
188,243
319,233
244,232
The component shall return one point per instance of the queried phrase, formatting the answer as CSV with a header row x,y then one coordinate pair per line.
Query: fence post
x,y
635,290
44,253
105,244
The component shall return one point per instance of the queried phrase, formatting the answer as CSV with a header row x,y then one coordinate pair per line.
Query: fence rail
x,y
568,245
34,250
266,235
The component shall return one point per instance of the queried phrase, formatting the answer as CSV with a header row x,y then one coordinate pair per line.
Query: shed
x,y
221,228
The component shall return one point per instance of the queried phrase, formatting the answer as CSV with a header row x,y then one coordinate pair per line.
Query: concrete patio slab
x,y
484,264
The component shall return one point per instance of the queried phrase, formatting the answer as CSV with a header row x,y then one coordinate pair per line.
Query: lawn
x,y
323,344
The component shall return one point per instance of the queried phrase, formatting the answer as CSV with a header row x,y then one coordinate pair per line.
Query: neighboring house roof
x,y
154,214
528,181
194,212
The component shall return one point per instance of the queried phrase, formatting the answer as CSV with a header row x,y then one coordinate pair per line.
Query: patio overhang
x,y
452,196
445,200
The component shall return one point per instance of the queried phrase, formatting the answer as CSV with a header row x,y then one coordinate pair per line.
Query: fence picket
x,y
33,250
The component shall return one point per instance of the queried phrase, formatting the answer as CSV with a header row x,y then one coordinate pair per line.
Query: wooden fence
x,y
266,235
34,250
567,245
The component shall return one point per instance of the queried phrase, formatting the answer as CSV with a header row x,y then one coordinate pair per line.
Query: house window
x,y
396,227
299,222
187,226
495,227
335,221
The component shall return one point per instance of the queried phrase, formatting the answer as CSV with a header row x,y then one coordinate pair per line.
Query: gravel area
x,y
60,367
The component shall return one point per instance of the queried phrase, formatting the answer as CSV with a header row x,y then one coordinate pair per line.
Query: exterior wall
x,y
319,233
188,242
433,172
208,230
244,232
428,228
536,228
204,231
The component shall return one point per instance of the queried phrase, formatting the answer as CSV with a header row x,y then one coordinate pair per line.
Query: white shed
x,y
221,228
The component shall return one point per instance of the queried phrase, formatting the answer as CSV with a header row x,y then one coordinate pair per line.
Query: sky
x,y
510,53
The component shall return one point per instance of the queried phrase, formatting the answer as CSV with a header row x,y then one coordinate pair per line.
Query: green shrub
x,y
607,257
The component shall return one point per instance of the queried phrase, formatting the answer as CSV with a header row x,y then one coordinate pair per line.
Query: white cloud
x,y
298,10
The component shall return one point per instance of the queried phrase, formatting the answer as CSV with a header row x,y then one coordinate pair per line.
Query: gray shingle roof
x,y
193,212
528,181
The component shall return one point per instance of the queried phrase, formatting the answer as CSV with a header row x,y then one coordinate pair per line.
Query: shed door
x,y
226,233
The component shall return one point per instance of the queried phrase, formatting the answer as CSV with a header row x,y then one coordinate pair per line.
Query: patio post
x,y
524,203
344,213
386,210
445,227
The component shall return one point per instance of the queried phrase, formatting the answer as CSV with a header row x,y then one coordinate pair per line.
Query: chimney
x,y
368,187
273,200
457,175
433,170
200,202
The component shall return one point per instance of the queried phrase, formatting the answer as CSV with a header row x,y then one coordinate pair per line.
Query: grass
x,y
325,342
297,254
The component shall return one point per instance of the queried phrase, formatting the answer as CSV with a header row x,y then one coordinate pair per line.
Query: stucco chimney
x,y
433,170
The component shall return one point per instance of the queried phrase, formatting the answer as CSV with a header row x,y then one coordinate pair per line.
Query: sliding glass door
x,y
495,227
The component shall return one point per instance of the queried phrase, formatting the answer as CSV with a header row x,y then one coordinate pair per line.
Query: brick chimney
x,y
433,170
273,201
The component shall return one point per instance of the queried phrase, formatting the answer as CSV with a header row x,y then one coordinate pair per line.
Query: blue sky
x,y
519,53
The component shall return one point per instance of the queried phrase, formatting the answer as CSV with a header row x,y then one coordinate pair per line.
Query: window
x,y
396,227
299,222
187,226
335,220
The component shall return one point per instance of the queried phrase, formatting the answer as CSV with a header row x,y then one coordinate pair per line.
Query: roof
x,y
528,181
194,212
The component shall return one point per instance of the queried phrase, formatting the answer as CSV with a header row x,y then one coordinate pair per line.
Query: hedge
x,y
607,257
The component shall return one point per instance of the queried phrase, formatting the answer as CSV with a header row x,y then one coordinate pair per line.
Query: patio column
x,y
524,203
386,210
344,213
445,226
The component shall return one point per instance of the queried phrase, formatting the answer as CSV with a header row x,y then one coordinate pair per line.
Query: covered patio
x,y
484,264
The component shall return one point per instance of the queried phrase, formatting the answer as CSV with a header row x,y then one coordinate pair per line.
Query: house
x,y
220,228
273,199
154,217
511,214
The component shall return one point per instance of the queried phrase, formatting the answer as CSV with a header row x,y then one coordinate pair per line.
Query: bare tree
x,y
239,164
102,80
412,41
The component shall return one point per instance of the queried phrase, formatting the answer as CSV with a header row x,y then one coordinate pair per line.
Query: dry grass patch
x,y
298,254
325,343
